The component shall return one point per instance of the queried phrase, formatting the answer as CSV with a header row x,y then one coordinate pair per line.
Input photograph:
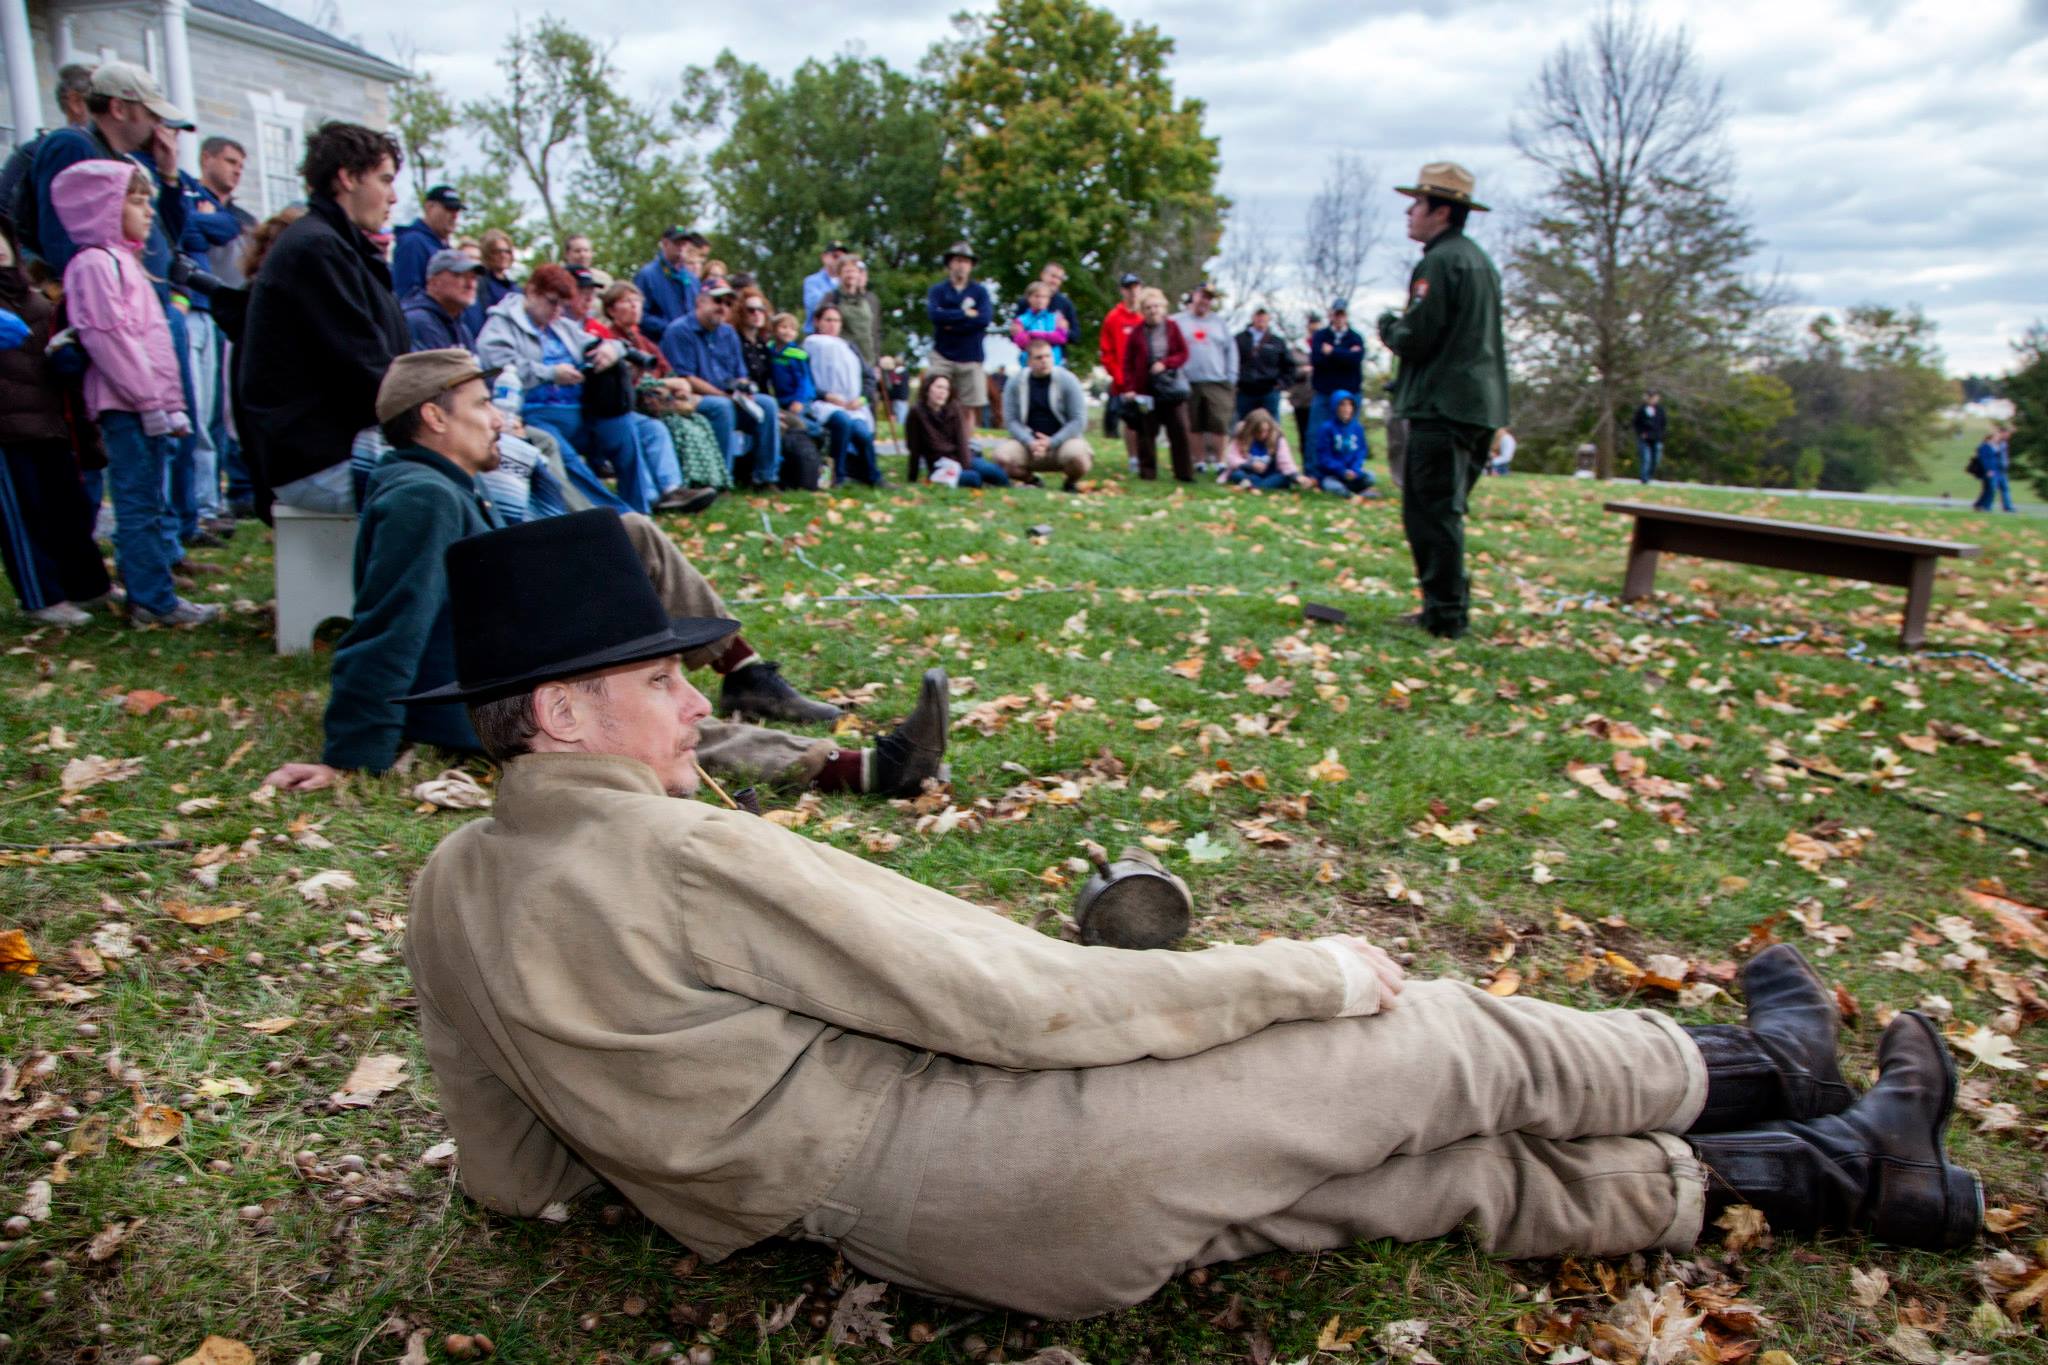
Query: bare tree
x,y
1345,225
1249,271
1630,271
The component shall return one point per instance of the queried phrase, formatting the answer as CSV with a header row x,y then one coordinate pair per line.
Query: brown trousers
x,y
1068,1193
748,753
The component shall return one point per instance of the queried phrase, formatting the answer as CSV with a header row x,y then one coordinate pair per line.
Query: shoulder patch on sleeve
x,y
1418,291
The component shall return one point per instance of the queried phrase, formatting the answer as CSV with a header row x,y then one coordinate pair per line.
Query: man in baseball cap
x,y
435,312
128,118
440,209
668,283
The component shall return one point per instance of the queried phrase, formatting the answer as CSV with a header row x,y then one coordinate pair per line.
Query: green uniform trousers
x,y
1544,1129
1444,460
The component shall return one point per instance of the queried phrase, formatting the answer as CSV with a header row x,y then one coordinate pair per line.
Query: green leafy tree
x,y
2028,390
422,116
848,150
1067,143
552,79
1868,392
632,183
1630,272
489,201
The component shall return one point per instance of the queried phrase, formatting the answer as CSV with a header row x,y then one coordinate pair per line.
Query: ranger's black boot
x,y
1782,1065
1877,1168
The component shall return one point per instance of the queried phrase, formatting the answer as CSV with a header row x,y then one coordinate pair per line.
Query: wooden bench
x,y
1871,556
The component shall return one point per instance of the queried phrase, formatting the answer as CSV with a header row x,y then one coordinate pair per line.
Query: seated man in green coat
x,y
758,1035
436,411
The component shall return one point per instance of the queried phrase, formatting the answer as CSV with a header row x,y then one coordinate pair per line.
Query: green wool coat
x,y
1453,357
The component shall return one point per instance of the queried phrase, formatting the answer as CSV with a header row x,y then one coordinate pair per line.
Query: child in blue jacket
x,y
1339,450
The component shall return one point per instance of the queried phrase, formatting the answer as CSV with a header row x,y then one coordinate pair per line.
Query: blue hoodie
x,y
793,384
1339,449
414,246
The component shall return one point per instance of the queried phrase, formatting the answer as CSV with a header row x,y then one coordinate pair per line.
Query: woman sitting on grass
x,y
1258,455
939,433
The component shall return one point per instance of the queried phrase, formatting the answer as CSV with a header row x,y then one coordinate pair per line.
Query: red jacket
x,y
1116,329
1138,357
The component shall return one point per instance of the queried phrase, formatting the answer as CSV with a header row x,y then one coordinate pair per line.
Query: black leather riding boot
x,y
1877,1168
1782,1064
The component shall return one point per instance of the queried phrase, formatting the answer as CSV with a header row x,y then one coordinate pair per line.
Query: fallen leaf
x,y
16,955
106,1243
220,1351
1328,769
198,805
1334,1338
94,769
219,1087
439,1155
275,1025
1913,1346
142,701
151,1125
453,789
1505,982
856,1318
201,914
35,1203
1594,780
317,887
775,1321
1202,849
1743,1227
1992,1049
373,1076
415,1348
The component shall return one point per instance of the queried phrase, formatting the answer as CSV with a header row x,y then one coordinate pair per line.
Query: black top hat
x,y
555,598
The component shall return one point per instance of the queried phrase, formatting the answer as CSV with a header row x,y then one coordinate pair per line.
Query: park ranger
x,y
1451,388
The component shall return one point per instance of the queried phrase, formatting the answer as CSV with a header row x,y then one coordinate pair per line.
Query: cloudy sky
x,y
1888,150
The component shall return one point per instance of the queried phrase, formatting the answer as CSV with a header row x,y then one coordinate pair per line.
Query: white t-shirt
x,y
1507,448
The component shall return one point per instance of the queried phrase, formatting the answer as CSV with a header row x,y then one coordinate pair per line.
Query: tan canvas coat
x,y
708,1010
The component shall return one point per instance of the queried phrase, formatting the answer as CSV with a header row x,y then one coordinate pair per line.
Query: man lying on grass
x,y
436,411
750,1034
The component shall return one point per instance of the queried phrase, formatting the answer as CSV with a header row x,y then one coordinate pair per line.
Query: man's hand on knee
x,y
1372,979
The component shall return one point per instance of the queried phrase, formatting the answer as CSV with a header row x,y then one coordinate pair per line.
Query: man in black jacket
x,y
323,324
1261,365
1649,423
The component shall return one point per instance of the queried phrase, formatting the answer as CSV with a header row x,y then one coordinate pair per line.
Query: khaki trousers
x,y
1067,1193
749,753
1070,457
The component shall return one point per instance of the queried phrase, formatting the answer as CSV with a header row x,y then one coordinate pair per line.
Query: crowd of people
x,y
482,430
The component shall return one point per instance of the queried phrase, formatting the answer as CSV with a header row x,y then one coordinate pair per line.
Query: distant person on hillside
x,y
578,253
860,315
1116,332
1301,391
1039,321
1055,277
1336,356
1992,466
496,280
668,283
817,286
1503,452
1046,415
1650,422
960,311
1262,366
1212,378
437,313
1155,390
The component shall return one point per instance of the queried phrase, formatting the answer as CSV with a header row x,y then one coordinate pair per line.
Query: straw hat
x,y
1444,180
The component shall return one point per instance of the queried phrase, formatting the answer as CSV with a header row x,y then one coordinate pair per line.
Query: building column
x,y
22,96
177,76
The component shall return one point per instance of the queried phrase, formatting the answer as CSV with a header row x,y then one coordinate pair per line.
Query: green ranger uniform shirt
x,y
1453,358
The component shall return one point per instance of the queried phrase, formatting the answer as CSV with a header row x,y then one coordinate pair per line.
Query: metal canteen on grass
x,y
1133,902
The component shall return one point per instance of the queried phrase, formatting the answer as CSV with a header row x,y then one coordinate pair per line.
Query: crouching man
x,y
435,409
759,1035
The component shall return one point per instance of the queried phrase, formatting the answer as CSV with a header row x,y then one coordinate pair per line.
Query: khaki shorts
x,y
970,381
1211,408
1071,457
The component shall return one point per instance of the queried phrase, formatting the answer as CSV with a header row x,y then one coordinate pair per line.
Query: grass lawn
x,y
1577,802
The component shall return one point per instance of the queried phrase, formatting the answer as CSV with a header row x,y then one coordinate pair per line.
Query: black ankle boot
x,y
1878,1168
759,689
916,749
1782,1064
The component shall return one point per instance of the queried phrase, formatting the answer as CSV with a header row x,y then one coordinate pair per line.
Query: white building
x,y
241,69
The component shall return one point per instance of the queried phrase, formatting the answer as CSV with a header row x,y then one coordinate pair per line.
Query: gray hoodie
x,y
1212,350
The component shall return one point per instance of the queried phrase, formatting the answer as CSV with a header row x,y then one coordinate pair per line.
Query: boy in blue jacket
x,y
1339,450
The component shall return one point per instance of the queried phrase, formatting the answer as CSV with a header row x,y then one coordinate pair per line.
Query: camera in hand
x,y
644,359
185,274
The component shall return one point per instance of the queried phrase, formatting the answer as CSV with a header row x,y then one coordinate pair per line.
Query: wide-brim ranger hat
x,y
552,599
959,249
1444,180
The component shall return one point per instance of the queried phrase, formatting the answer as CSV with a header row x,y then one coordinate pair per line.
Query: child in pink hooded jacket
x,y
132,389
